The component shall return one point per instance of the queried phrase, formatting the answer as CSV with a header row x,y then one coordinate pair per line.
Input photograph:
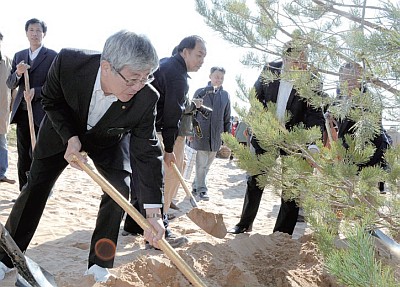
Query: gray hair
x,y
127,49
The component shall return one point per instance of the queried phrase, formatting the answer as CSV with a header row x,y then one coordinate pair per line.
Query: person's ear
x,y
105,66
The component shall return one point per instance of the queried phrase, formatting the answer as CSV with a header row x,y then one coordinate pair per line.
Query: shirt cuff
x,y
151,205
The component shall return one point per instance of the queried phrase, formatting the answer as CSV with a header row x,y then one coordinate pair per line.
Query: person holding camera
x,y
212,119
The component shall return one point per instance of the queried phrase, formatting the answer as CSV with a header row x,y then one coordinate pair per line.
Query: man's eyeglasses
x,y
133,82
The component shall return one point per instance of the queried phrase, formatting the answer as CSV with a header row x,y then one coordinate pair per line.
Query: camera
x,y
204,111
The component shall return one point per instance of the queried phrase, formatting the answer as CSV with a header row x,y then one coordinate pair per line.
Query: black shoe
x,y
238,229
176,241
147,246
300,218
126,233
173,240
171,216
173,206
204,196
7,180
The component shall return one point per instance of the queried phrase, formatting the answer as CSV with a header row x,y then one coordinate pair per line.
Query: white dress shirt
x,y
33,55
285,88
99,104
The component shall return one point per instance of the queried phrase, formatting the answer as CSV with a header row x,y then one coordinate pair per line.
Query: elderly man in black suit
x,y
39,58
286,97
92,101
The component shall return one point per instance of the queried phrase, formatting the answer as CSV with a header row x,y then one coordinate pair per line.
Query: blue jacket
x,y
217,122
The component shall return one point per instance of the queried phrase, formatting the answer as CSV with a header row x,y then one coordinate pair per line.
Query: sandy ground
x,y
61,243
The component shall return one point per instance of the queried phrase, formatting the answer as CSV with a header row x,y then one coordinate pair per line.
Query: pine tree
x,y
338,199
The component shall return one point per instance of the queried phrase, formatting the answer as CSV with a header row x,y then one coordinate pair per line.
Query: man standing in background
x,y
5,102
212,126
284,94
36,61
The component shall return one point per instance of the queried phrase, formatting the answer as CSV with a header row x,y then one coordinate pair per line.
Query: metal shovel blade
x,y
391,244
42,277
30,274
210,222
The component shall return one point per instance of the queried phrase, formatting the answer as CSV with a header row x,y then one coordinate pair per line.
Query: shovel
x,y
143,223
390,243
211,223
31,274
30,112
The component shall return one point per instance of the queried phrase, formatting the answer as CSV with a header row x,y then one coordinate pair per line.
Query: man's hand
x,y
73,152
29,96
197,102
169,157
21,68
155,219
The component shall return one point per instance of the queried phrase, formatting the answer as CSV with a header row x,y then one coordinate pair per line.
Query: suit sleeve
x,y
227,116
55,105
175,91
146,158
258,87
315,115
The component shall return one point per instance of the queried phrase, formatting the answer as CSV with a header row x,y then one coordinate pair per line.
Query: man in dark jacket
x,y
286,97
39,58
350,79
92,101
171,82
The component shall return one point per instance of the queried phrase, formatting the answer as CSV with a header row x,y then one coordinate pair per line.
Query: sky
x,y
87,24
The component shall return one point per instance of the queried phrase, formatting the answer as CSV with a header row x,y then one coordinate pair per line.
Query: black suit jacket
x,y
37,77
380,142
299,109
66,97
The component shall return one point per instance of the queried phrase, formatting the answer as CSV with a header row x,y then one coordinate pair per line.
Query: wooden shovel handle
x,y
143,223
30,112
182,180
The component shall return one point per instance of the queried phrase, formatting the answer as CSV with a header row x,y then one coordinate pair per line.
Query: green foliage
x,y
336,196
356,265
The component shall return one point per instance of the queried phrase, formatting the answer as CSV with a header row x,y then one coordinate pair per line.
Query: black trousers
x,y
287,216
24,146
28,208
